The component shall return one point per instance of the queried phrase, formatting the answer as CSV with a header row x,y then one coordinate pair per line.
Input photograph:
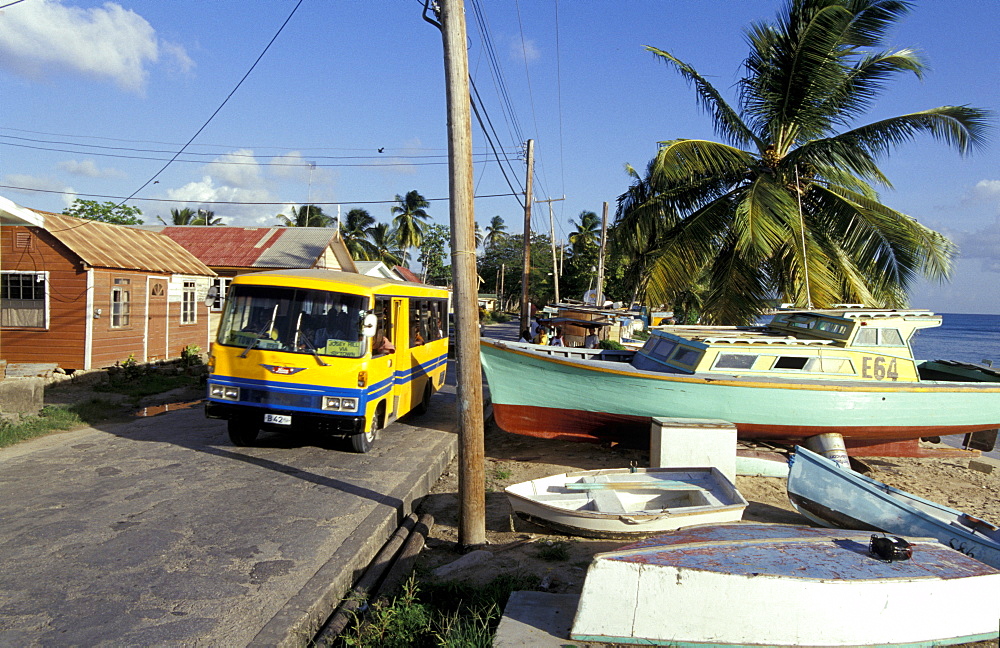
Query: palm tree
x,y
495,232
206,217
409,218
305,216
786,208
588,232
355,233
386,244
180,217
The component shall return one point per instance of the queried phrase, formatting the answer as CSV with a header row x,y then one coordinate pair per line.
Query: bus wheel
x,y
242,431
425,403
363,442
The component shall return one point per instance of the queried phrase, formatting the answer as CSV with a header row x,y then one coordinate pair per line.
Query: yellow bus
x,y
326,352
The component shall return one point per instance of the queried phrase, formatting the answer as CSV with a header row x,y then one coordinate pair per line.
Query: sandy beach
x,y
517,547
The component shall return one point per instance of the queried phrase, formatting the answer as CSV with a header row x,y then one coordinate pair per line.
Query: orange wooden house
x,y
84,294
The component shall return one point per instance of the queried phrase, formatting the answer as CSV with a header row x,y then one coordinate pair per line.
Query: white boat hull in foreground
x,y
628,503
772,585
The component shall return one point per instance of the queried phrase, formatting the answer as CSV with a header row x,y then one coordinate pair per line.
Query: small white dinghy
x,y
627,502
774,585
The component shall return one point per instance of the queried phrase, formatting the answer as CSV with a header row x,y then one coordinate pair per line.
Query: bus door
x,y
382,367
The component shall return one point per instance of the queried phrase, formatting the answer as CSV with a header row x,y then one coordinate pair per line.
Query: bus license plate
x,y
278,419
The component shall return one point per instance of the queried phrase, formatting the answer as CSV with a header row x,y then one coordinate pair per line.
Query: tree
x,y
106,212
494,231
409,216
180,217
433,248
305,216
206,217
354,230
786,207
587,234
386,244
507,256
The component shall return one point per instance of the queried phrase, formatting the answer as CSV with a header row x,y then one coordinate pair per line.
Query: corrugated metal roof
x,y
103,245
230,247
253,247
296,247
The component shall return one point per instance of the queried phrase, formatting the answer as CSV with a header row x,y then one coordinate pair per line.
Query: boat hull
x,y
832,496
551,397
623,503
773,585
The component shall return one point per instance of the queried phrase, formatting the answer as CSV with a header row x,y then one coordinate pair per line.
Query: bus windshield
x,y
294,320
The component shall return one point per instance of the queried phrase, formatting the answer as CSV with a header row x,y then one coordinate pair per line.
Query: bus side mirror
x,y
368,325
211,296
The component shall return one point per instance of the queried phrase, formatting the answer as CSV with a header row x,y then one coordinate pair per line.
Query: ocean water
x,y
961,336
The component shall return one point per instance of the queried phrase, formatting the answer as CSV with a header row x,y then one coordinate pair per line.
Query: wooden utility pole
x,y
471,449
600,259
527,235
552,239
503,271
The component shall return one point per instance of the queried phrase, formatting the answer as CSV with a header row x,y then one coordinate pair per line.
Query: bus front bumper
x,y
332,424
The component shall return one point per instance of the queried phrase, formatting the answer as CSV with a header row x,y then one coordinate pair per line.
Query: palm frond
x,y
727,121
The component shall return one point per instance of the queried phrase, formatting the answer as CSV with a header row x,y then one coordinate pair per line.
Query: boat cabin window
x,y
685,356
829,365
832,327
790,362
735,361
658,347
878,337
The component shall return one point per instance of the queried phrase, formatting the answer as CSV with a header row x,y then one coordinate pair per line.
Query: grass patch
x,y
495,476
553,550
56,418
437,614
146,384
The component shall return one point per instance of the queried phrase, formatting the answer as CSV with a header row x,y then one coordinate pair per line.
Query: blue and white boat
x,y
832,496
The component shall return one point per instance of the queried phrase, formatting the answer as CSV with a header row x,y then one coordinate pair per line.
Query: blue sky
x,y
98,95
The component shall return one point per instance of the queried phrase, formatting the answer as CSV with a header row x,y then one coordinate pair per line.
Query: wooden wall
x,y
63,342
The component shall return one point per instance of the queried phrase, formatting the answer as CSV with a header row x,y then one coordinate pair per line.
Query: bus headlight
x,y
349,404
331,403
223,392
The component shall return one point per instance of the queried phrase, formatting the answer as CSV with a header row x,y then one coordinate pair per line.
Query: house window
x,y
23,299
189,314
121,303
222,283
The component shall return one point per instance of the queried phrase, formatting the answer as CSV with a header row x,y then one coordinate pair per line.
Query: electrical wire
x,y
233,202
224,102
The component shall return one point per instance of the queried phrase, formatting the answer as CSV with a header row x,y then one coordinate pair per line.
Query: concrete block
x,y
22,395
981,466
681,442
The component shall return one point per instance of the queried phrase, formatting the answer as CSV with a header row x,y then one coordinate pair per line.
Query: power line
x,y
224,101
230,202
225,147
176,158
208,154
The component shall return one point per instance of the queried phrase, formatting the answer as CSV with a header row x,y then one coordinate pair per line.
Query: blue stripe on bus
x,y
316,392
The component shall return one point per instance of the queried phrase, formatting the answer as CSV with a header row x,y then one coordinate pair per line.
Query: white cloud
x,y
89,169
524,51
985,191
42,37
239,168
206,191
29,182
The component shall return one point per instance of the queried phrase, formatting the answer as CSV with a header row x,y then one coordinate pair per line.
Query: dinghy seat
x,y
606,501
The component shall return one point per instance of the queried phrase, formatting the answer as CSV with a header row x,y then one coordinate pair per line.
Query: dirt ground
x,y
520,547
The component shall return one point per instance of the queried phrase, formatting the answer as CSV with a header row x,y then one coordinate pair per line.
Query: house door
x,y
156,319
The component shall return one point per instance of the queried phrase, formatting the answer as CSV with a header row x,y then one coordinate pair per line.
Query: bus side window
x,y
383,311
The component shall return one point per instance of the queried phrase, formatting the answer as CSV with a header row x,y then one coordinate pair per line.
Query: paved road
x,y
161,532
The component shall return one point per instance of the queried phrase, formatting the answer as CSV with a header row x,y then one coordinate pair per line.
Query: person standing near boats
x,y
542,336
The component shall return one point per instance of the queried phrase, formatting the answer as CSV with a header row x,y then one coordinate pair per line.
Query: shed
x,y
84,294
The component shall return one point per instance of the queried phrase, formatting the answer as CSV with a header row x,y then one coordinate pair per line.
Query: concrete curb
x,y
304,614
